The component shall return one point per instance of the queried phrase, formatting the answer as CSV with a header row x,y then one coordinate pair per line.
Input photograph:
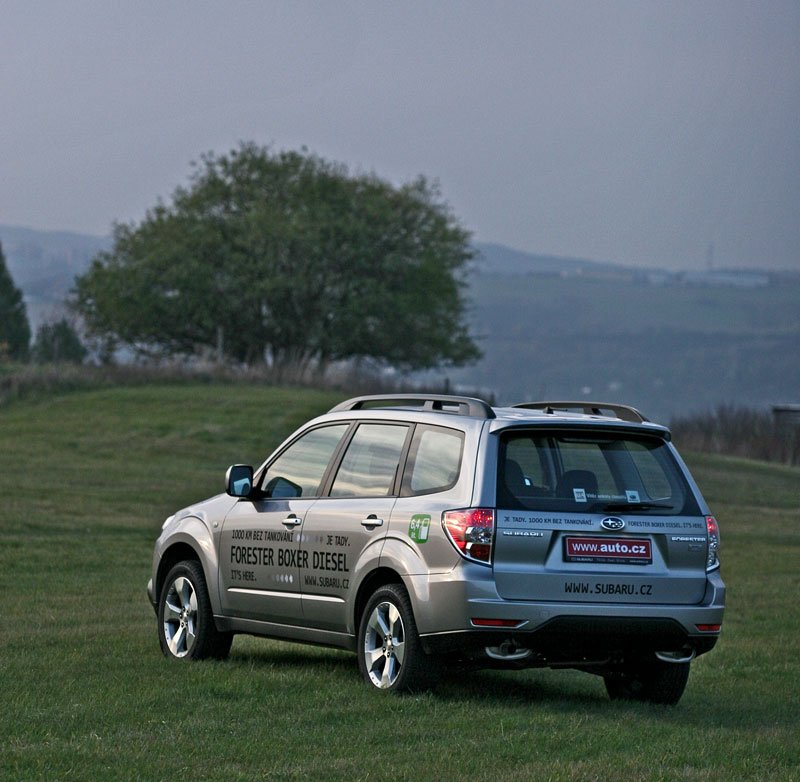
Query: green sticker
x,y
419,527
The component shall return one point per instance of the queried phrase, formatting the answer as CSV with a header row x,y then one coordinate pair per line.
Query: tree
x,y
15,332
58,342
288,259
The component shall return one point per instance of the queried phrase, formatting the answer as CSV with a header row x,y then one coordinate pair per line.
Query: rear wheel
x,y
656,682
186,628
390,655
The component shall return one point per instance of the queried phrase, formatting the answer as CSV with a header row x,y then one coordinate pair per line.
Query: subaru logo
x,y
612,524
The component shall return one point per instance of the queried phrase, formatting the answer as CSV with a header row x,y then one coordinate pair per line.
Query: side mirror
x,y
239,480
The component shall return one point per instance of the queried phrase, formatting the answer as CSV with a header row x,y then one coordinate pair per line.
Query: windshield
x,y
590,473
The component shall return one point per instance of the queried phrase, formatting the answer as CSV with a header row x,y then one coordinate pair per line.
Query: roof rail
x,y
623,412
440,403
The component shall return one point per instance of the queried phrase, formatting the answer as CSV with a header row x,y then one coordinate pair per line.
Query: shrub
x,y
739,431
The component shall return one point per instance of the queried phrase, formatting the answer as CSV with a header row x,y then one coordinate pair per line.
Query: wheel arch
x,y
190,538
373,581
176,552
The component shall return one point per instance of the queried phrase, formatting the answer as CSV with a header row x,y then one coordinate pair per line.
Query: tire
x,y
390,655
656,682
186,629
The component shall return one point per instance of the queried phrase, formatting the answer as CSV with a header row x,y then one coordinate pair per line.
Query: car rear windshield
x,y
590,472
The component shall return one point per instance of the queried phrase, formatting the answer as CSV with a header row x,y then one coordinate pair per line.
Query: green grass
x,y
86,480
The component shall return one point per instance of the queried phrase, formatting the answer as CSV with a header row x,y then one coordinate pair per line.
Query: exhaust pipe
x,y
508,651
685,655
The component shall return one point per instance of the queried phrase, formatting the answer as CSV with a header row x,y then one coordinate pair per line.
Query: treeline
x,y
739,431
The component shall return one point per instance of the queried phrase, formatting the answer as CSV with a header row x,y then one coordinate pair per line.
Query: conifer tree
x,y
15,332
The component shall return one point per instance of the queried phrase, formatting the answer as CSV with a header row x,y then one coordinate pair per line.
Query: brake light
x,y
471,531
709,628
713,543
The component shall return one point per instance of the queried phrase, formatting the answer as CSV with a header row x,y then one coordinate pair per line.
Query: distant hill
x,y
667,349
499,259
667,342
44,265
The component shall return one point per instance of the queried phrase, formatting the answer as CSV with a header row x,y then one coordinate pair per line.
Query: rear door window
x,y
369,466
590,472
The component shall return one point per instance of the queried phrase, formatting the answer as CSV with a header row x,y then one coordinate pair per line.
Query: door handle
x,y
291,521
371,521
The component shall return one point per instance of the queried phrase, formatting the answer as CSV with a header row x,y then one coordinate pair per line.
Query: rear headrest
x,y
576,479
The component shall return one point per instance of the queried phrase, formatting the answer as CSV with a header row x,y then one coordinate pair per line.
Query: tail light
x,y
471,531
713,543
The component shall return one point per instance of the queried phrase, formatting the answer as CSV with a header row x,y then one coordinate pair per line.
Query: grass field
x,y
87,478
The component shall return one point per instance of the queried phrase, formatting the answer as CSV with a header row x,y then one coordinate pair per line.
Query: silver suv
x,y
430,531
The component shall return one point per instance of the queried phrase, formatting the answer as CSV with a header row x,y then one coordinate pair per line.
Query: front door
x,y
261,560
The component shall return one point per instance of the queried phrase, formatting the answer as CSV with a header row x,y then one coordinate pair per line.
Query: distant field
x,y
86,480
581,305
666,349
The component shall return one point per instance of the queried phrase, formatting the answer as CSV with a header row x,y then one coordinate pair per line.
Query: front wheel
x,y
390,655
186,628
656,682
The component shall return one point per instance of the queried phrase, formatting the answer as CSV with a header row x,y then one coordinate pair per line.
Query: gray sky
x,y
637,132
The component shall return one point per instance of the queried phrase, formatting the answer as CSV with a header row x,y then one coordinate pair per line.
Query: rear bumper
x,y
446,605
575,640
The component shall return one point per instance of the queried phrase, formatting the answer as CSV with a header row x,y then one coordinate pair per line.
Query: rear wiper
x,y
621,506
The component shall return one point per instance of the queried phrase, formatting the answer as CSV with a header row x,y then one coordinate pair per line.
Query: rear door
x,y
349,524
594,516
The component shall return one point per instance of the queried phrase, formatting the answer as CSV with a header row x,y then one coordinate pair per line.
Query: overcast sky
x,y
637,132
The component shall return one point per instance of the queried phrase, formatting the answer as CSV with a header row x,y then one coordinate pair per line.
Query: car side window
x,y
434,460
299,470
370,463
